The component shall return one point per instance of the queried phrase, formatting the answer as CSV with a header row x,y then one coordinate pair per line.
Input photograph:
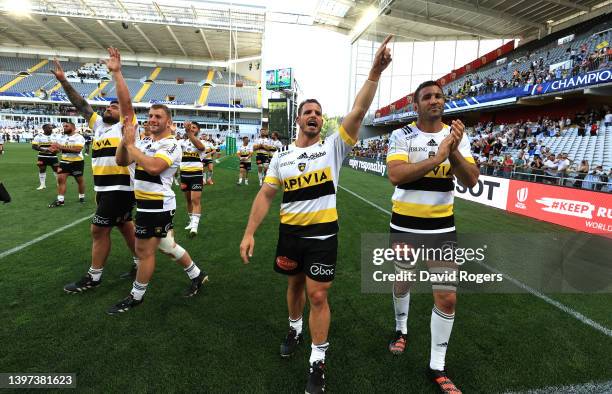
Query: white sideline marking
x,y
586,388
42,237
556,304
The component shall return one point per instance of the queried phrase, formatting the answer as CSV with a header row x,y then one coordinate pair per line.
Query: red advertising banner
x,y
581,210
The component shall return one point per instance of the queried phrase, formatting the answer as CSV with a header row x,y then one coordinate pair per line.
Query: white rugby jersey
x,y
309,179
426,205
244,152
191,163
108,176
154,192
263,144
75,140
45,141
273,146
209,149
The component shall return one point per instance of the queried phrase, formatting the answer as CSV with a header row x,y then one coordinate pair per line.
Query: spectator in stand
x,y
520,165
594,128
537,168
550,166
563,164
608,119
581,129
507,166
582,171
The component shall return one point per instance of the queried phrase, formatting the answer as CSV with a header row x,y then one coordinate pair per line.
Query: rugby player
x,y
308,171
71,163
245,152
191,174
260,147
157,161
421,161
47,156
207,160
112,184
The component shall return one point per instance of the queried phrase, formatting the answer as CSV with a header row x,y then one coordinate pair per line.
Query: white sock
x,y
192,271
138,290
60,198
318,352
441,328
296,325
42,176
401,306
239,181
81,195
195,221
95,273
190,219
246,181
136,260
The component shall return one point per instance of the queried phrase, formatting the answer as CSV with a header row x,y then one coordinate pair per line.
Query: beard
x,y
311,134
108,119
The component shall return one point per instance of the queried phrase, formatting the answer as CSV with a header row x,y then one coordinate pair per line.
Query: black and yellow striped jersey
x,y
44,142
309,179
424,206
75,140
154,192
108,176
245,152
191,161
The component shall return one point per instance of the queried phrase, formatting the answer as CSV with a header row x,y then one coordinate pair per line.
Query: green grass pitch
x,y
227,338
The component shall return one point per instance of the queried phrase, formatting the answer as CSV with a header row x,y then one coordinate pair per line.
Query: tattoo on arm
x,y
77,100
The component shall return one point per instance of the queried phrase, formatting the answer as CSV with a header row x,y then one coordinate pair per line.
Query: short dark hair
x,y
423,86
196,124
162,107
276,132
308,101
69,122
47,125
113,102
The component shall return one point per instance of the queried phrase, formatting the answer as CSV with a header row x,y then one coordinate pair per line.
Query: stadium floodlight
x,y
20,8
369,16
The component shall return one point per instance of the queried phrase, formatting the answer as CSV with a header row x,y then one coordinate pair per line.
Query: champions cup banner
x,y
581,210
579,81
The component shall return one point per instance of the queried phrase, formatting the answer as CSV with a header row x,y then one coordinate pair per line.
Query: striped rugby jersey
x,y
75,140
309,179
108,176
273,146
244,152
209,149
263,143
191,161
45,141
424,206
154,192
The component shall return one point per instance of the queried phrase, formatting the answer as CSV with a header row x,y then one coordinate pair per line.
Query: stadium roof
x,y
163,28
425,20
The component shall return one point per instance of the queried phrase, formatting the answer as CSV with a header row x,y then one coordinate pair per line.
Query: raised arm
x,y
190,132
123,93
352,121
75,98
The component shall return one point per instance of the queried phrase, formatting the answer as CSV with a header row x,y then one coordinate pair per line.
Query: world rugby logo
x,y
521,196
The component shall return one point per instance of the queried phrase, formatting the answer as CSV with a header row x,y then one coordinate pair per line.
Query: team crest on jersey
x,y
301,166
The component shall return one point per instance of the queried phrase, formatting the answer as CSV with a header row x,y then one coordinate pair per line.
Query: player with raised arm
x,y
112,184
421,161
157,160
307,172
